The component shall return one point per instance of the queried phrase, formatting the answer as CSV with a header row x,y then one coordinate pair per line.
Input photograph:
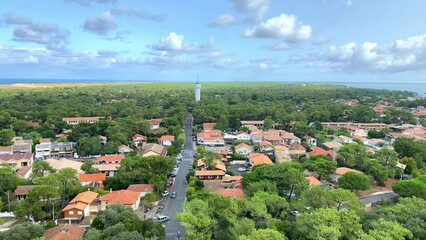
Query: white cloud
x,y
349,3
258,7
31,59
176,43
222,21
102,24
285,27
399,56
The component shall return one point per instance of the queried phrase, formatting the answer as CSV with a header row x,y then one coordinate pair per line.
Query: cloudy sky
x,y
219,40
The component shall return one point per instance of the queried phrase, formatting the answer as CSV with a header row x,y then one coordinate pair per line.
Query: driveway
x,y
173,206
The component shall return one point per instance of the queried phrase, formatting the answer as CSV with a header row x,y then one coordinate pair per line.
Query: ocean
x,y
419,88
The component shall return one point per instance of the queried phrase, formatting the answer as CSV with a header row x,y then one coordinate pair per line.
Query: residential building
x,y
212,139
154,124
80,206
64,232
332,146
243,149
143,189
296,150
208,126
17,160
124,149
6,150
108,169
62,149
42,150
363,126
110,159
282,153
209,174
217,165
342,170
103,139
166,140
290,138
266,147
126,197
345,139
313,181
229,138
256,138
22,146
25,172
139,139
259,159
243,136
320,151
77,120
153,149
312,142
253,123
21,192
93,179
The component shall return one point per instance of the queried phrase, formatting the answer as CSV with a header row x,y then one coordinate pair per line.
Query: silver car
x,y
162,218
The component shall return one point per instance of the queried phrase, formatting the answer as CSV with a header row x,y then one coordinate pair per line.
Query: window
x,y
80,213
71,212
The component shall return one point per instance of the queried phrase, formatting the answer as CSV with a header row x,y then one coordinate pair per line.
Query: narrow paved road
x,y
378,197
173,206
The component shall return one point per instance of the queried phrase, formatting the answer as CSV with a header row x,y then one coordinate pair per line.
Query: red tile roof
x,y
92,177
15,157
231,192
208,126
136,136
210,173
343,170
125,197
23,189
85,197
258,159
313,181
111,158
155,121
319,151
23,170
64,232
141,187
166,138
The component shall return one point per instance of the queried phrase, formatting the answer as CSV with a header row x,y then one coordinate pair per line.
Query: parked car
x,y
169,183
242,169
165,194
161,218
173,195
294,213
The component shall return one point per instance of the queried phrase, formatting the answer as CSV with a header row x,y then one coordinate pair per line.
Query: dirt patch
x,y
376,188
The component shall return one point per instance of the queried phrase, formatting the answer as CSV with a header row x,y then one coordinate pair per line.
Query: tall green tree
x,y
354,181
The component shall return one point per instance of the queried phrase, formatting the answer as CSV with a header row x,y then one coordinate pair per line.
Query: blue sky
x,y
219,40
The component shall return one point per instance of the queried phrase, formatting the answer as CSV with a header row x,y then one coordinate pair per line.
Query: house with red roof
x,y
21,192
126,197
93,179
208,126
166,140
110,159
124,149
64,232
139,139
243,149
143,189
342,170
313,181
256,159
80,206
17,160
320,151
154,124
209,174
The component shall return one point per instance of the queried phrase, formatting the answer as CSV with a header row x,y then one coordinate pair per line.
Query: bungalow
x,y
345,139
253,123
62,232
166,140
243,149
80,206
319,151
256,138
124,149
139,139
313,181
290,138
108,169
259,159
17,160
212,139
342,170
208,126
143,189
93,179
153,149
126,197
25,172
110,159
332,146
154,124
312,142
243,136
266,147
77,120
21,192
209,174
229,138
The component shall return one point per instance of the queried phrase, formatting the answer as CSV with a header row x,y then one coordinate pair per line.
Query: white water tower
x,y
197,91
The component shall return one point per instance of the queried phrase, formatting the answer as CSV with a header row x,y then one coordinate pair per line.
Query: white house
x,y
166,140
42,150
243,136
243,149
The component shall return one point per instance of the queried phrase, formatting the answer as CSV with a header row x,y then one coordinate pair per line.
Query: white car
x,y
161,218
165,194
294,213
242,169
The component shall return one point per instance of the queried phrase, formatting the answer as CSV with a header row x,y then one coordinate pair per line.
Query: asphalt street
x,y
378,197
172,206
